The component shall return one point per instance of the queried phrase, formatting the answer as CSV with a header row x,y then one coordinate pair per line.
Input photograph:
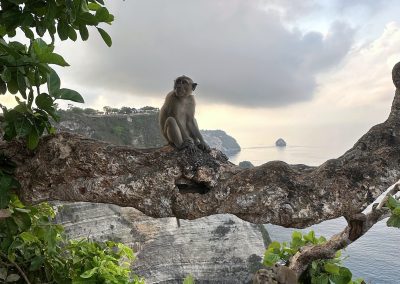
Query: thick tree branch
x,y
164,182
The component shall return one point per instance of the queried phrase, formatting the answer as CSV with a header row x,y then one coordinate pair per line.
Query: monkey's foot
x,y
189,145
204,147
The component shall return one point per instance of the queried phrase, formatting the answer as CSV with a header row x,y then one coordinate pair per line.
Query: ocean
x,y
375,257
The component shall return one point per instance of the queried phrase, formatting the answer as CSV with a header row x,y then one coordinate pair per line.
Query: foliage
x,y
32,248
189,279
394,205
24,68
31,241
320,271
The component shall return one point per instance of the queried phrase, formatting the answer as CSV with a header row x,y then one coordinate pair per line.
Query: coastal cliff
x,y
140,129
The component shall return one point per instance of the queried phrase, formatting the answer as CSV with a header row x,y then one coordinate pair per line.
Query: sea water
x,y
374,257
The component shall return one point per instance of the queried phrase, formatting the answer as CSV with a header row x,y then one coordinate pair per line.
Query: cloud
x,y
239,53
364,79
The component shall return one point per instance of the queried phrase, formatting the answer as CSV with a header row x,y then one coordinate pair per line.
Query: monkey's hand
x,y
204,147
189,144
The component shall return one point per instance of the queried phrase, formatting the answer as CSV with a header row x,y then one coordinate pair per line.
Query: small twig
x,y
17,267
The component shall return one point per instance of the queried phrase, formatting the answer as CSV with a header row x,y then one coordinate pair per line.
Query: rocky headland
x,y
140,129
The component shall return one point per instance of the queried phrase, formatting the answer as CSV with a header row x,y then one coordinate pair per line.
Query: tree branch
x,y
163,182
357,226
21,272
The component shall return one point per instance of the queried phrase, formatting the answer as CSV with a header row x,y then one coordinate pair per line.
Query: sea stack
x,y
280,143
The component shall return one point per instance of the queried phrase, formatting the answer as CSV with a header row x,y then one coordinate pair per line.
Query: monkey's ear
x,y
194,85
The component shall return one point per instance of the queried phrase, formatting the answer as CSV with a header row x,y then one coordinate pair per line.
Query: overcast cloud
x,y
239,53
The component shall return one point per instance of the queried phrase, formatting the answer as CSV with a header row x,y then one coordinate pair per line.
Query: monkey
x,y
177,122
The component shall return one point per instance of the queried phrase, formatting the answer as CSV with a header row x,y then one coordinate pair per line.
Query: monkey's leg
x,y
173,132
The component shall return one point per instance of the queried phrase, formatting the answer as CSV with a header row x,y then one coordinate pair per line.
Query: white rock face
x,y
215,249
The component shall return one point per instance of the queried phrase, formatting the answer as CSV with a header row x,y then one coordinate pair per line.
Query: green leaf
x,y
50,237
271,258
396,211
40,47
358,281
320,279
12,85
296,235
274,245
84,6
393,221
83,32
33,139
392,202
3,87
62,29
105,36
310,237
343,277
72,34
28,237
93,6
23,220
5,186
22,126
70,10
53,82
70,95
6,74
21,84
188,280
110,19
41,28
87,18
16,45
331,268
89,273
36,263
102,14
44,101
3,30
24,210
28,33
53,58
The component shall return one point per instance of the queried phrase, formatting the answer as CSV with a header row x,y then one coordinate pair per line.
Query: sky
x,y
312,72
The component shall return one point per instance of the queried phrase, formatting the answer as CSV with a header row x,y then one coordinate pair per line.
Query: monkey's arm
x,y
196,135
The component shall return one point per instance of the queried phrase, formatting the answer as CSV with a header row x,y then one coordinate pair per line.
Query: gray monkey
x,y
177,122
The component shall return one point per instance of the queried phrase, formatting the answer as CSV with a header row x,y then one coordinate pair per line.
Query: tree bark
x,y
164,182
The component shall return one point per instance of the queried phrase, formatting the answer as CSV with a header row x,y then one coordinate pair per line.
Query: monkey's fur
x,y
177,122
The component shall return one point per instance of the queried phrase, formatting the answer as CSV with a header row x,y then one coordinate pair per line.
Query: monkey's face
x,y
184,86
